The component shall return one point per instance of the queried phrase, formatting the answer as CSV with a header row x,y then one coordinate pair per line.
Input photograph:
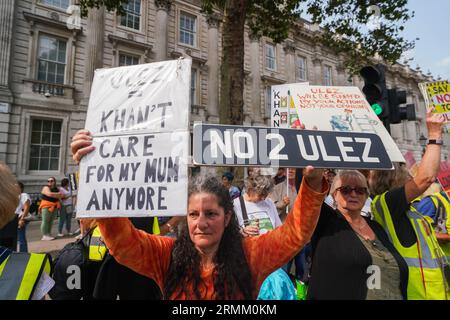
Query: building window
x,y
132,17
188,29
45,145
194,90
270,57
63,4
51,59
327,76
128,60
301,69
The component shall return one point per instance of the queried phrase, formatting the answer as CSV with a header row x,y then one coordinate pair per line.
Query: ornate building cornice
x,y
53,22
289,47
213,20
115,40
163,5
254,37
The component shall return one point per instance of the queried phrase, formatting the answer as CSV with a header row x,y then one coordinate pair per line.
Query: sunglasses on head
x,y
346,190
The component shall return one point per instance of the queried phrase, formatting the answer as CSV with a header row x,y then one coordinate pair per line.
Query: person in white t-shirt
x,y
66,212
22,211
261,214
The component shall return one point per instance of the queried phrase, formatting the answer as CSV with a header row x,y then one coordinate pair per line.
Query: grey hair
x,y
259,184
345,174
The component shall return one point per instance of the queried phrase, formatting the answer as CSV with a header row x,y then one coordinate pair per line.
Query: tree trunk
x,y
232,66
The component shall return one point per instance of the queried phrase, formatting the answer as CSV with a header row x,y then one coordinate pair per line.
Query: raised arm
x,y
429,166
144,253
46,191
270,251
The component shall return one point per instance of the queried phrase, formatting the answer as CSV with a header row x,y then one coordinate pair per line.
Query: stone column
x,y
318,77
95,31
289,49
213,68
256,78
7,13
341,77
162,12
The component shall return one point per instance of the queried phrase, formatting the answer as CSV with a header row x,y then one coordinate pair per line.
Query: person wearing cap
x,y
227,179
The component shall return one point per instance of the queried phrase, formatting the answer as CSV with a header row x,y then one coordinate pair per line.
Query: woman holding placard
x,y
210,259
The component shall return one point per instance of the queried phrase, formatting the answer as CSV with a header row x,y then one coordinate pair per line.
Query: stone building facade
x,y
47,64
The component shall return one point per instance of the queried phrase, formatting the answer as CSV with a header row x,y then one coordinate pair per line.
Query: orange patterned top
x,y
150,255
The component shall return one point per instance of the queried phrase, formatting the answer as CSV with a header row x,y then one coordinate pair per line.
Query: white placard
x,y
283,113
332,109
139,119
150,97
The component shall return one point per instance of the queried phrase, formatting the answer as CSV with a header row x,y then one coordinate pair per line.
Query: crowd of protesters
x,y
300,234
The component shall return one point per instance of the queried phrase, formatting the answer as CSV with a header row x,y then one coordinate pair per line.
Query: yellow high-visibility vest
x,y
442,205
156,230
97,248
20,273
425,259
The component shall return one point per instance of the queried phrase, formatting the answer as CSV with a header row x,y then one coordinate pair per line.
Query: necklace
x,y
359,228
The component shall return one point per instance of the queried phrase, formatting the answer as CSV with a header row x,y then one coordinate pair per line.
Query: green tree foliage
x,y
343,26
111,5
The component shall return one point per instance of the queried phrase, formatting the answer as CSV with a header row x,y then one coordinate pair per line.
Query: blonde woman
x,y
346,247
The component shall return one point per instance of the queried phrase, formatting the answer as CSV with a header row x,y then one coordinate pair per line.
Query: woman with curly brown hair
x,y
211,259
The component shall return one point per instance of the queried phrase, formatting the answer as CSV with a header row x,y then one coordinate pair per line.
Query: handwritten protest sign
x,y
334,109
437,94
139,117
286,118
283,113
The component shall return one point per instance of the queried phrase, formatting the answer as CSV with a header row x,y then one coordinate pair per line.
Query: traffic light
x,y
397,113
375,89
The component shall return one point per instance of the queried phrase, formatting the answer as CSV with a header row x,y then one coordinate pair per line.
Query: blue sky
x,y
432,25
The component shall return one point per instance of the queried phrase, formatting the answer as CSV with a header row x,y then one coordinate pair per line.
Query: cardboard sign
x,y
138,116
220,145
437,95
340,109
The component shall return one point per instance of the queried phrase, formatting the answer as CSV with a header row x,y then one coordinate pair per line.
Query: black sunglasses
x,y
346,190
50,180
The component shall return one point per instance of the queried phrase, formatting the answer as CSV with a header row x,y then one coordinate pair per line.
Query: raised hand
x,y
434,124
81,145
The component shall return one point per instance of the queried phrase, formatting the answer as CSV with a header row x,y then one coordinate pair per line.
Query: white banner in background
x,y
139,119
